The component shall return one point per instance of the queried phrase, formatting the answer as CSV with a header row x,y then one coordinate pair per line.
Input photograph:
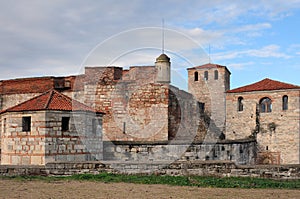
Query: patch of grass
x,y
200,181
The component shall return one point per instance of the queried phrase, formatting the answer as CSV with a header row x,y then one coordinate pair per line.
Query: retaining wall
x,y
200,168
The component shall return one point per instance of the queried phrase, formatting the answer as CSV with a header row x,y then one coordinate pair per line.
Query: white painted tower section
x,y
163,69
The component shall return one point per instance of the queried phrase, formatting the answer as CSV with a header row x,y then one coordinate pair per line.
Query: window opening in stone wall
x,y
206,75
65,123
201,107
216,75
240,104
124,127
285,100
4,125
196,76
26,123
265,105
96,125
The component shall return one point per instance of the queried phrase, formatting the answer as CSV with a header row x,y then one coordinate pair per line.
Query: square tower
x,y
209,83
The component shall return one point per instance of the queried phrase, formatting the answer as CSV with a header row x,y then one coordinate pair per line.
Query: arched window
x,y
196,76
206,75
285,100
240,104
216,75
265,105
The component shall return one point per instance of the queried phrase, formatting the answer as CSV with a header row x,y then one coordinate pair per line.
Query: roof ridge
x,y
49,99
25,101
266,84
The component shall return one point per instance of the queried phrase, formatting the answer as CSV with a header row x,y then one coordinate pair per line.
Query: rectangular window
x,y
206,75
65,123
96,125
26,123
4,125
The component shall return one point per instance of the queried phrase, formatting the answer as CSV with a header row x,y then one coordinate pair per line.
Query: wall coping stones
x,y
180,142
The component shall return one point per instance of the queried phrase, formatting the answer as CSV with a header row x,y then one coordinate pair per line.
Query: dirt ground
x,y
83,189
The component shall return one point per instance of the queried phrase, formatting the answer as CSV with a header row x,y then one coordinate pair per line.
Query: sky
x,y
254,39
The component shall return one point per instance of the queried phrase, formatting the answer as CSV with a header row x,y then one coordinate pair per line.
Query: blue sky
x,y
254,39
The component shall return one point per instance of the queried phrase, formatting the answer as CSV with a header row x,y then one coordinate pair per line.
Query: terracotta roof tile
x,y
264,85
50,100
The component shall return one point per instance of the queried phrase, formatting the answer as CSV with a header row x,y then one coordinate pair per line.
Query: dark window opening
x,y
285,100
265,105
201,106
196,76
124,127
216,75
65,123
26,123
240,104
96,124
206,75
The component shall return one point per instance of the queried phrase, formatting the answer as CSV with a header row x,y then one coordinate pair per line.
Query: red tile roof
x,y
264,85
50,100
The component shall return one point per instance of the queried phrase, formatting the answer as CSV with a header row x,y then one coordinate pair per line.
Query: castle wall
x,y
279,132
46,142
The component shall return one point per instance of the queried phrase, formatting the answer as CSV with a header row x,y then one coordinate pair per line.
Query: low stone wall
x,y
237,151
200,168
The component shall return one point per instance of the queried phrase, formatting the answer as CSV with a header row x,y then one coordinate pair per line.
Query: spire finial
x,y
163,37
209,59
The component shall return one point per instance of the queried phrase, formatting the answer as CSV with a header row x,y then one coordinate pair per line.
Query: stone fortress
x,y
112,114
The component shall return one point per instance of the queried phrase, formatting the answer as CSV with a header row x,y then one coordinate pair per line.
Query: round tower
x,y
162,66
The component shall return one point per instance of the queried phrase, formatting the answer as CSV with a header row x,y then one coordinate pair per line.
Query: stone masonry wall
x,y
187,168
186,118
279,131
46,142
80,143
240,152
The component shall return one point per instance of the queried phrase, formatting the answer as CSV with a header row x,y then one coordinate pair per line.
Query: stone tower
x,y
209,83
162,66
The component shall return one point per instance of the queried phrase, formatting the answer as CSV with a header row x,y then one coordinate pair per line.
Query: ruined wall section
x,y
279,131
135,109
186,118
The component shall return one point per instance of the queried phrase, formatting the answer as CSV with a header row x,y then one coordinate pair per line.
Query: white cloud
x,y
264,52
240,66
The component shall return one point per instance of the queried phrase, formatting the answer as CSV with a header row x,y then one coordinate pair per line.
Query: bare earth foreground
x,y
84,189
